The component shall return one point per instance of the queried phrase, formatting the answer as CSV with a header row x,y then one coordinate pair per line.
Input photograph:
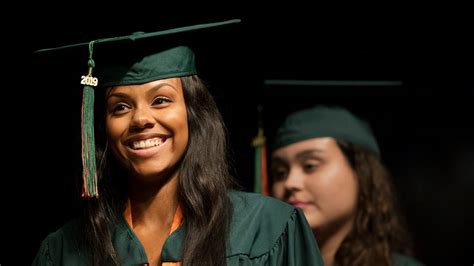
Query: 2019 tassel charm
x,y
89,173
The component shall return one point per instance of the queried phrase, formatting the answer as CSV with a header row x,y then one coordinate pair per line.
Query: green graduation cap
x,y
133,59
326,121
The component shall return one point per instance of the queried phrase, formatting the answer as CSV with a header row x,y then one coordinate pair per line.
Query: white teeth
x,y
144,144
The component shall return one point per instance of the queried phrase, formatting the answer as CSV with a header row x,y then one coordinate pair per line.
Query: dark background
x,y
422,118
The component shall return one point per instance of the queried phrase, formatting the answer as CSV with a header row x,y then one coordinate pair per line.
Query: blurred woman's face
x,y
314,175
147,126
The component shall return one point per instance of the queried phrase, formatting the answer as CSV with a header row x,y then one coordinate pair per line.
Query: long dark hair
x,y
204,180
379,230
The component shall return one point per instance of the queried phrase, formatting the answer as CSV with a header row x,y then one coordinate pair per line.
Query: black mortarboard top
x,y
133,59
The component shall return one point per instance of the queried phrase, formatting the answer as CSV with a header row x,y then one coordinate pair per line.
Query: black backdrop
x,y
422,119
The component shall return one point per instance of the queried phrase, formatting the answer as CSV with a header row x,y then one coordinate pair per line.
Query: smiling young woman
x,y
161,193
147,126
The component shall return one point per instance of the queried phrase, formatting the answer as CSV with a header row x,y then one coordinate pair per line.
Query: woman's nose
x,y
294,180
142,119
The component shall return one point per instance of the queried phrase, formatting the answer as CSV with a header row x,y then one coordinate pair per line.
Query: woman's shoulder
x,y
264,229
403,260
59,243
247,203
255,213
256,210
69,232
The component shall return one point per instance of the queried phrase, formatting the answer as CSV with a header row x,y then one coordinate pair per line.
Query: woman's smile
x,y
147,126
146,148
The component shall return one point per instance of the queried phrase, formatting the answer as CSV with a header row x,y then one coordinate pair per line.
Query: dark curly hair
x,y
379,230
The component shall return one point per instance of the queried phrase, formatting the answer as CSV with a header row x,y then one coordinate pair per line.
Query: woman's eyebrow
x,y
308,152
159,86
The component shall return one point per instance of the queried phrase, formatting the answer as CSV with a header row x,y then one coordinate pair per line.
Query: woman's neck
x,y
330,239
153,204
150,211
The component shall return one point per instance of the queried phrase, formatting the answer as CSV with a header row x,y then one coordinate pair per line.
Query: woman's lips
x,y
132,141
146,152
147,143
299,204
145,146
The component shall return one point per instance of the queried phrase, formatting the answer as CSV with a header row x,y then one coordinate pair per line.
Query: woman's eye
x,y
309,167
120,108
160,100
279,174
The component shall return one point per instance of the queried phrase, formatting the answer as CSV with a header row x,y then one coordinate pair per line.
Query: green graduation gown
x,y
264,231
402,260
